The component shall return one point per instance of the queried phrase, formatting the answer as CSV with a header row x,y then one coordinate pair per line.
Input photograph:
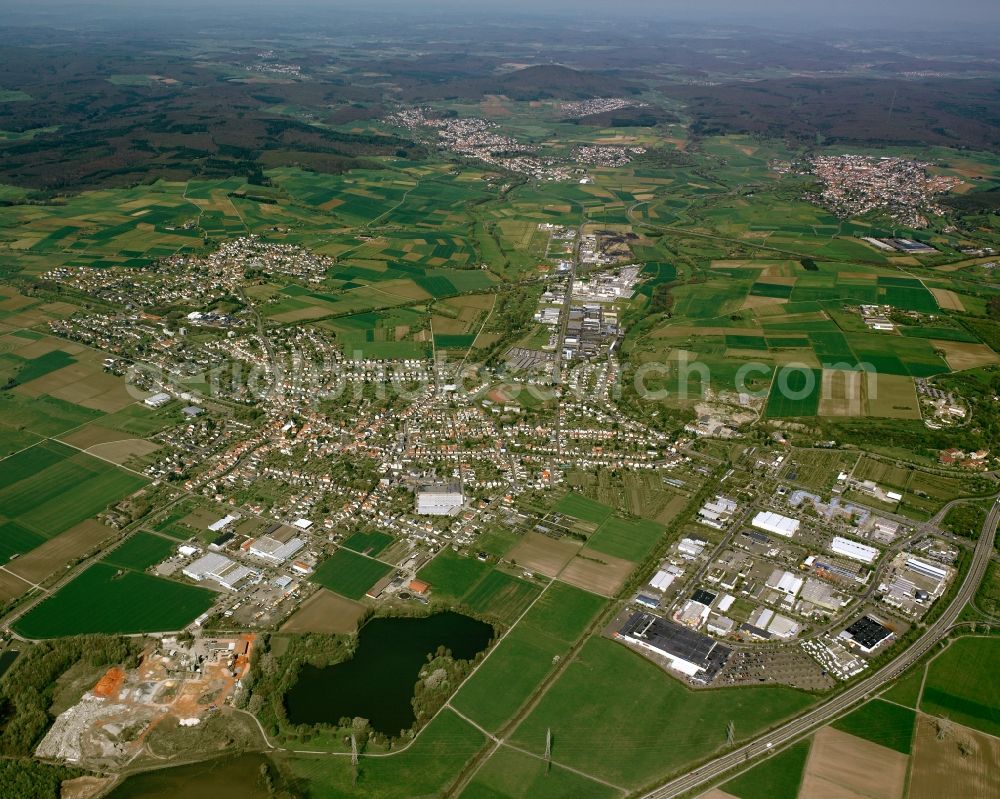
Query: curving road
x,y
828,711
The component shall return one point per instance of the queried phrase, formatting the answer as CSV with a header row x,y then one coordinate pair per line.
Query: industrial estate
x,y
380,421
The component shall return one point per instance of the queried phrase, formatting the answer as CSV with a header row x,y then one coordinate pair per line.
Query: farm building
x,y
440,499
688,652
854,550
376,590
776,523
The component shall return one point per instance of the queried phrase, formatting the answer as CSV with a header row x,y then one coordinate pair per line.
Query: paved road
x,y
856,693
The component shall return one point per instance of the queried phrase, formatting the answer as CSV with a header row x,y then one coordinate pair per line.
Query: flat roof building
x,y
776,523
853,550
686,651
157,400
225,572
867,633
785,582
440,499
273,550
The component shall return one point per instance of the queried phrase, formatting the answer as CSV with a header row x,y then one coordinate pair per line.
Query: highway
x,y
826,712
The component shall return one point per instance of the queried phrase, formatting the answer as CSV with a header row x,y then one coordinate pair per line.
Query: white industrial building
x,y
926,569
690,548
157,400
224,522
663,579
273,550
227,573
717,512
854,550
821,595
441,499
786,582
776,523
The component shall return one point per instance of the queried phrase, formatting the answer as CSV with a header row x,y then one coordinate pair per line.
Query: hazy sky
x,y
979,15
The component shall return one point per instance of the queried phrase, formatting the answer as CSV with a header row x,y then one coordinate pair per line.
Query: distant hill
x,y
942,111
551,81
542,82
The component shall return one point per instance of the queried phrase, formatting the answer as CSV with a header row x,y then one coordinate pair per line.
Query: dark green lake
x,y
7,660
221,777
377,683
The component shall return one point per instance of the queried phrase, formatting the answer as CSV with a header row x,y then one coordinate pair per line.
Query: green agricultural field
x,y
451,575
370,543
881,722
349,574
140,552
564,612
805,382
961,684
16,540
102,600
12,441
906,691
425,769
778,777
28,369
580,507
518,664
639,703
501,596
510,774
42,416
50,487
511,672
622,538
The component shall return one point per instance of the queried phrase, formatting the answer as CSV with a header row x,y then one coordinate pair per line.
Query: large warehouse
x,y
219,568
854,550
776,523
688,652
440,499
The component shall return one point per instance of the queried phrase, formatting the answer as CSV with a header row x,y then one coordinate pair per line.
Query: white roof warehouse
x,y
854,550
776,523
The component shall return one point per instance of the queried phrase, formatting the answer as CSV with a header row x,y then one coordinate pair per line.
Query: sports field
x,y
452,575
349,574
105,599
370,543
